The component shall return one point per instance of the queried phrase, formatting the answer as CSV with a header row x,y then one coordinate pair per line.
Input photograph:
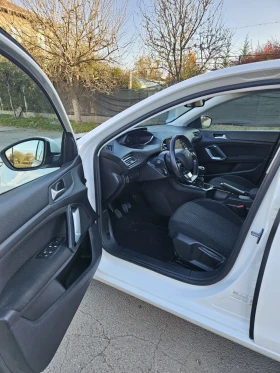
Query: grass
x,y
43,124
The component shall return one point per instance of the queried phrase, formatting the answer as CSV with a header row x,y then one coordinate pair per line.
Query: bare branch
x,y
71,38
181,33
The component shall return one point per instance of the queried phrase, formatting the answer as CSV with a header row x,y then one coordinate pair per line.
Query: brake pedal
x,y
125,207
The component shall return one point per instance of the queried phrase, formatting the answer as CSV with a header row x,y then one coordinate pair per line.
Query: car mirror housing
x,y
31,154
206,121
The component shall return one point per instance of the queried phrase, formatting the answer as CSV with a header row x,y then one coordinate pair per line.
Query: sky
x,y
239,15
255,18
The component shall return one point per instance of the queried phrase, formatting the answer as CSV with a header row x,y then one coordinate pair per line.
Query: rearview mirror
x,y
198,103
25,155
206,121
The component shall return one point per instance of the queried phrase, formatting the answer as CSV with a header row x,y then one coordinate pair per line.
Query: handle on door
x,y
76,224
57,190
73,226
218,155
220,136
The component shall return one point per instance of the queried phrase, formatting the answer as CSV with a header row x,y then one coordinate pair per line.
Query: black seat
x,y
236,181
204,232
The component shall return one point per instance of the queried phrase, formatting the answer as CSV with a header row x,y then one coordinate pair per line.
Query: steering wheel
x,y
183,161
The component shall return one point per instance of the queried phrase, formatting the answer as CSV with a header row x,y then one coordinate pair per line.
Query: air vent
x,y
164,146
129,160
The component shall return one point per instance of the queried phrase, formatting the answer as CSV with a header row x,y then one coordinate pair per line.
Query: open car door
x,y
49,242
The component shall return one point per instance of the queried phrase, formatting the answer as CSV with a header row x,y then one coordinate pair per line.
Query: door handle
x,y
77,224
73,226
219,154
219,136
57,190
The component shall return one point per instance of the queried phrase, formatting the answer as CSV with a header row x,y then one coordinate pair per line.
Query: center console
x,y
236,199
166,195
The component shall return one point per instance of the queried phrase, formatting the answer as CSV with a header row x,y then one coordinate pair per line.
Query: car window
x,y
258,111
166,117
25,114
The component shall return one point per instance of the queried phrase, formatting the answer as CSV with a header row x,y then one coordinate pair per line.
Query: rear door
x,y
242,137
49,242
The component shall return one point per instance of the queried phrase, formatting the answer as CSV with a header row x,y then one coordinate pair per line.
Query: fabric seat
x,y
207,222
236,181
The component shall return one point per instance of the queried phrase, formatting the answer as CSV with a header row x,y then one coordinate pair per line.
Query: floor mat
x,y
143,237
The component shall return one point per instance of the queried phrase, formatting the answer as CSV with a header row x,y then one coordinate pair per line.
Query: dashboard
x,y
132,156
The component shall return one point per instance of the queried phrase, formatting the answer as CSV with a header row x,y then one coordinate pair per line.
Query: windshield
x,y
166,117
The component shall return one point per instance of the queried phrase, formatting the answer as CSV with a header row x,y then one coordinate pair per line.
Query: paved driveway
x,y
114,332
9,135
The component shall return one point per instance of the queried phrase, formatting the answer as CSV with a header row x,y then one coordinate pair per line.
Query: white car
x,y
158,202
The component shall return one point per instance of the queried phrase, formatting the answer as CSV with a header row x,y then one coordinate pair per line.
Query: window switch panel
x,y
51,249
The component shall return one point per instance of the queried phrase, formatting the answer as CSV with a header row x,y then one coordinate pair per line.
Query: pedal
x,y
125,207
118,214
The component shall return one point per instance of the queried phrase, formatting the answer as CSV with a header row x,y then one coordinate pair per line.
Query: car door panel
x,y
38,295
242,153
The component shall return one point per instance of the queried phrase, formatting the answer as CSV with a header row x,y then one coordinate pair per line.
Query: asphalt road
x,y
114,332
9,135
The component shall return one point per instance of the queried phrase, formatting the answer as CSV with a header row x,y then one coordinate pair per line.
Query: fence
x,y
99,107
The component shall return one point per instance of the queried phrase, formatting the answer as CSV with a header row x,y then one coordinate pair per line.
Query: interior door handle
x,y
73,226
77,224
218,155
220,136
57,190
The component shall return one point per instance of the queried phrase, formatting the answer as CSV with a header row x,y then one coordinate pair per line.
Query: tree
x,y
18,90
7,78
269,51
16,83
71,39
245,50
148,68
178,29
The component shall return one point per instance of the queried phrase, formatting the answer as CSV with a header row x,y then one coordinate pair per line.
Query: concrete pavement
x,y
114,332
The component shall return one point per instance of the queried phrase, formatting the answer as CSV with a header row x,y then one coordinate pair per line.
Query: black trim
x,y
216,275
69,149
261,273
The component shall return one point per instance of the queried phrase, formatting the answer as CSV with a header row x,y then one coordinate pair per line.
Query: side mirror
x,y
31,154
206,122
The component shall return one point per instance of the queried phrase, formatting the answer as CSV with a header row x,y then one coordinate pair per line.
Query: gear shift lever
x,y
200,179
